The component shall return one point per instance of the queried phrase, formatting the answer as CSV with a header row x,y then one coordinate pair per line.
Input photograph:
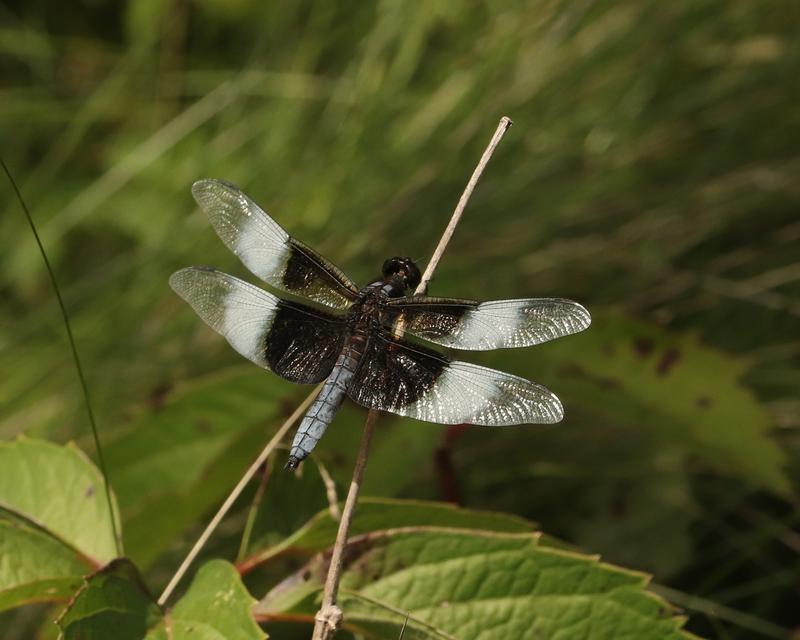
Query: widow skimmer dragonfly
x,y
352,346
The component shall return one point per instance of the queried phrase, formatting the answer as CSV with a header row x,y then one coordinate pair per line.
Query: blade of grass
x,y
251,514
81,377
716,611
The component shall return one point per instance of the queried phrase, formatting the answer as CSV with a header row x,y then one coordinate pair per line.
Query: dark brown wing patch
x,y
409,380
494,324
310,275
431,318
267,250
302,344
297,342
394,374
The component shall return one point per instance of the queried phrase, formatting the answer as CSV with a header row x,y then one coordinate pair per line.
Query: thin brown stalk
x,y
330,489
502,127
237,490
329,615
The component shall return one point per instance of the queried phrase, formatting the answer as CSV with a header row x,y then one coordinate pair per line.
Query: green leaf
x,y
43,567
641,375
54,521
178,461
113,603
216,607
60,490
469,584
374,514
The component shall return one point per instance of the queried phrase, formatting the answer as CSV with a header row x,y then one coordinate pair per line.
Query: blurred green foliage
x,y
651,174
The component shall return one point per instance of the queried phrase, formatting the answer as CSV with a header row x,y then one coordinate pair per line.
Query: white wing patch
x,y
245,228
505,324
235,309
469,393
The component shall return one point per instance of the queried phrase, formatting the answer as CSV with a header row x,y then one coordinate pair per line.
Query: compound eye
x,y
413,275
391,266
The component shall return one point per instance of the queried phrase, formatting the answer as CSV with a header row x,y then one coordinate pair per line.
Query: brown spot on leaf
x,y
667,361
704,402
202,425
159,395
608,383
573,370
643,347
89,492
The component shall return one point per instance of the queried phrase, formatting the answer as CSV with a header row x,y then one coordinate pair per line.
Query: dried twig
x,y
330,488
502,127
329,615
237,490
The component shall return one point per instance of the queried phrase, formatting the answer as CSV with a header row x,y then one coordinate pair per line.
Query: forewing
x,y
267,250
409,380
298,343
496,324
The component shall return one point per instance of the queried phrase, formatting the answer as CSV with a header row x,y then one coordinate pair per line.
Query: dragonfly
x,y
345,335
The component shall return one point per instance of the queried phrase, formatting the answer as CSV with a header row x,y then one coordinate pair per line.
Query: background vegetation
x,y
651,174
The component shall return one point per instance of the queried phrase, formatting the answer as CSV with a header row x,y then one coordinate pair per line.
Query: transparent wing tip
x,y
177,280
556,410
584,315
209,188
548,408
203,186
183,278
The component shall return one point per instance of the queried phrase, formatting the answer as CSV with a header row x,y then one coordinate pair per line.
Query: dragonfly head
x,y
403,269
